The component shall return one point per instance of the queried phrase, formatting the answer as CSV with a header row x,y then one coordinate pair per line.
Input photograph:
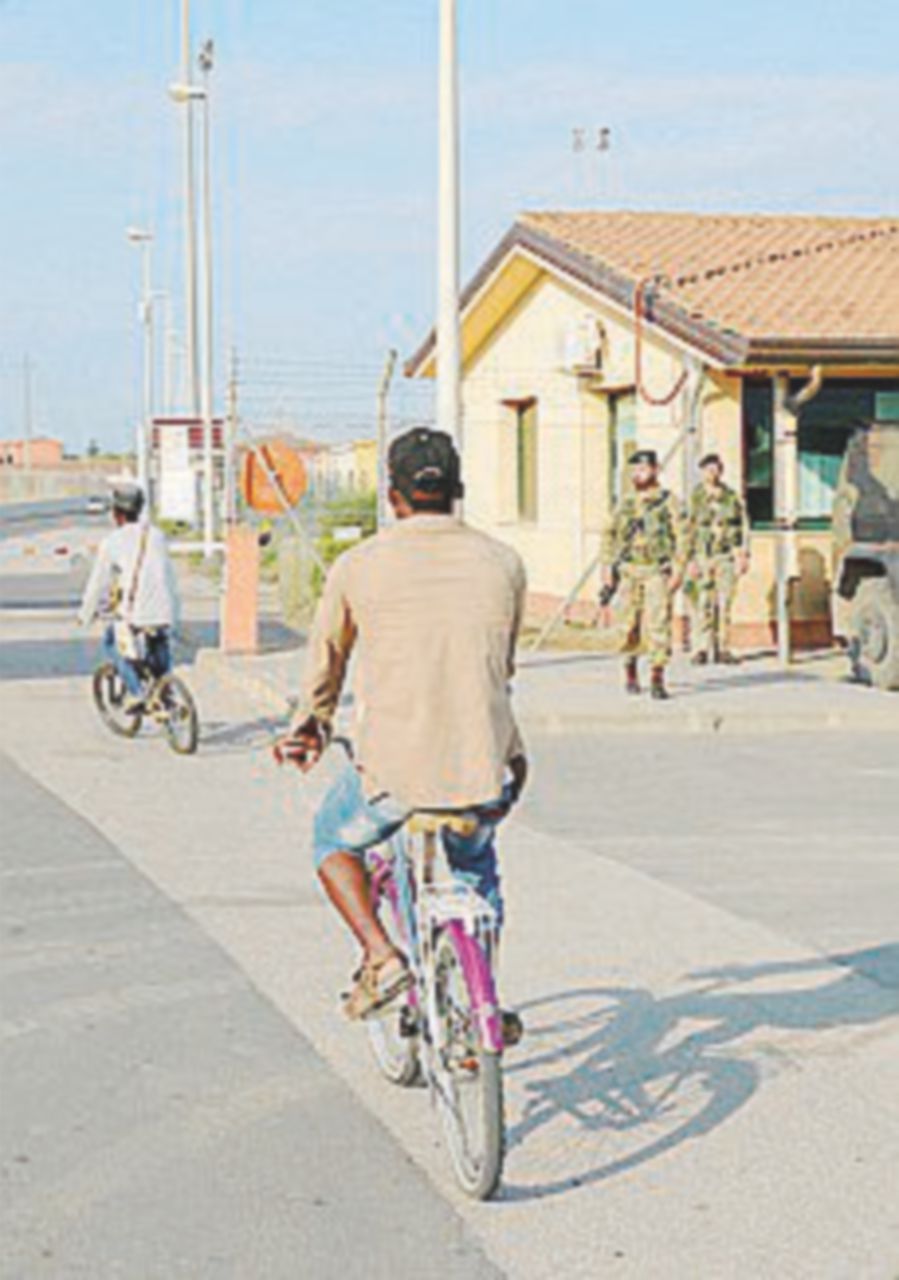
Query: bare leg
x,y
346,884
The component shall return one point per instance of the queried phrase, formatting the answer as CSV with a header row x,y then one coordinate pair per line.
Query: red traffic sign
x,y
272,476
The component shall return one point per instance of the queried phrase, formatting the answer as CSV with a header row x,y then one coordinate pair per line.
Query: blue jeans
x,y
347,822
158,658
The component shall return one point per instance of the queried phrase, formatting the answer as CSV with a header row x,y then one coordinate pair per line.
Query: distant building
x,y
351,468
41,452
764,338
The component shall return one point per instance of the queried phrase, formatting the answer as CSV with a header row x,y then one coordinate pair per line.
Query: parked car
x,y
97,504
866,554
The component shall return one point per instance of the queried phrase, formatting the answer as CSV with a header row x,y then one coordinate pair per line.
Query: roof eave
x,y
833,351
722,346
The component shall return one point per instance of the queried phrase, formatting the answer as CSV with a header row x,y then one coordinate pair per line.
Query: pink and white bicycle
x,y
447,1028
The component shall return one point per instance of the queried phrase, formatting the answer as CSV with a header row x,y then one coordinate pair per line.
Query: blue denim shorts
x,y
347,822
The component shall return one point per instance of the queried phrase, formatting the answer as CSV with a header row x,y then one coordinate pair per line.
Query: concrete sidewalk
x,y
576,692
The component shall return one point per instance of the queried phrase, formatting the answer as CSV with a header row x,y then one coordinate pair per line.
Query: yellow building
x,y
365,457
763,338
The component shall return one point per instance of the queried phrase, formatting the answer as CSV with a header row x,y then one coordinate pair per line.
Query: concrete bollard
x,y
240,602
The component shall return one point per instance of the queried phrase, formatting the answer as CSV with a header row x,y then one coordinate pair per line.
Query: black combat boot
x,y
657,684
631,679
700,659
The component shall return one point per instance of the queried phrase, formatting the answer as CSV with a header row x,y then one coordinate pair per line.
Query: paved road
x,y
160,1118
21,518
799,832
46,581
698,1094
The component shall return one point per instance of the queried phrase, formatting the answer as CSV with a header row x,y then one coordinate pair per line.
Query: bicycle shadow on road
x,y
627,1077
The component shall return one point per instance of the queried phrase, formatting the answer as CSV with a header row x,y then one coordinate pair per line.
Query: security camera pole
x,y
449,359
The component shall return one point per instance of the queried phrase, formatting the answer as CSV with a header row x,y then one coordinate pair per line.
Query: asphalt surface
x,y
160,1119
698,1093
799,832
22,588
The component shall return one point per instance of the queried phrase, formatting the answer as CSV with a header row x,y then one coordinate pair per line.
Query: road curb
x,y
667,719
710,722
254,685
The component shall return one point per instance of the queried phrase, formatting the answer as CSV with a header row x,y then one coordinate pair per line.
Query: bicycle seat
x,y
432,822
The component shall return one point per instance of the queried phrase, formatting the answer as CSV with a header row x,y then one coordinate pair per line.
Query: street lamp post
x,y
144,240
188,92
449,359
186,100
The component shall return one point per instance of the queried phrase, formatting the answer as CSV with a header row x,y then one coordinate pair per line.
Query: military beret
x,y
644,455
709,459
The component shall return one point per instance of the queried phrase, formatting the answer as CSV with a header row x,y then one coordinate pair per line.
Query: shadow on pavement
x,y
752,680
51,659
635,1076
221,738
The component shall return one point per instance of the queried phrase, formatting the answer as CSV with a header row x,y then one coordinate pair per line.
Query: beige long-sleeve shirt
x,y
431,609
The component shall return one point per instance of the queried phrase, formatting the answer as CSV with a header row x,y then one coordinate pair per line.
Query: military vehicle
x,y
866,554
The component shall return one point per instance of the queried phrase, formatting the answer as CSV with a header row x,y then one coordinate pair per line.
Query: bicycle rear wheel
x,y
468,1075
109,698
181,723
393,1034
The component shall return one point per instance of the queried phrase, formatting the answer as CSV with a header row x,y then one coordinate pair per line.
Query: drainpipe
x,y
692,408
692,414
786,495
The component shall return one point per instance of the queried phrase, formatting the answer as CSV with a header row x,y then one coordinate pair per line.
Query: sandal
x,y
375,986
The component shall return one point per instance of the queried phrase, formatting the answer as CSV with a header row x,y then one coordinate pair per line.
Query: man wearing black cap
x,y
644,548
430,610
717,555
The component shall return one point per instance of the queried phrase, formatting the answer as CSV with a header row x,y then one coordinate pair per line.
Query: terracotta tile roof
x,y
766,278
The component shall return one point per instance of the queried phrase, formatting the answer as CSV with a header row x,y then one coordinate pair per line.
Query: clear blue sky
x,y
325,161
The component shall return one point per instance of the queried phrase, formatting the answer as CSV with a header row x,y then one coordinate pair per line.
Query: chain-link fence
x,y
336,415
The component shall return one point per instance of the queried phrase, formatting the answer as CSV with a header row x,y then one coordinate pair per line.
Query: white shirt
x,y
156,595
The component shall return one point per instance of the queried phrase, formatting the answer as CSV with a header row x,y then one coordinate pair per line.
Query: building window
x,y
526,459
758,450
623,434
825,426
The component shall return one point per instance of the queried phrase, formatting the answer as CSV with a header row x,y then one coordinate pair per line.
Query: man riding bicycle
x,y
133,578
431,610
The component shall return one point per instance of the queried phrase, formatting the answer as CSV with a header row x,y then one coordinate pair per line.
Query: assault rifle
x,y
636,525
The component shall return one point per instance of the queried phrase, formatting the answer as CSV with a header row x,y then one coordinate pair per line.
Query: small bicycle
x,y
447,1028
165,698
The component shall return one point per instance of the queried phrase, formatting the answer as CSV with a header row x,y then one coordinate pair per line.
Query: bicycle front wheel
x,y
181,723
109,698
468,1075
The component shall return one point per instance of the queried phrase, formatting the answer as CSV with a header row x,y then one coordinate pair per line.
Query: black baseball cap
x,y
644,455
710,458
424,467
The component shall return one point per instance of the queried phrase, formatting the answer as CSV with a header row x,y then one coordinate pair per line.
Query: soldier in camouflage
x,y
717,554
643,552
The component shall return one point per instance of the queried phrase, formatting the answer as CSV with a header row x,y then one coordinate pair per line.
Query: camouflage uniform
x,y
718,530
646,542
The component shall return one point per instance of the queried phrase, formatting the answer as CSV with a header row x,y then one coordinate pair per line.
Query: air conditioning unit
x,y
584,347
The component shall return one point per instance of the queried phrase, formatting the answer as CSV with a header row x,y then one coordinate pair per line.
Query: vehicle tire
x,y
874,642
470,1079
109,694
393,1035
181,723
